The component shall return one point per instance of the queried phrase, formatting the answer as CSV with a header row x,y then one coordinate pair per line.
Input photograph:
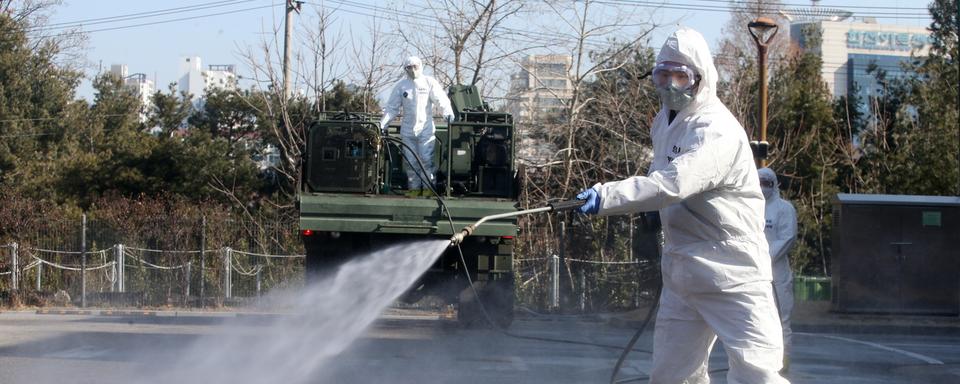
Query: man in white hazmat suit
x,y
781,231
415,95
715,265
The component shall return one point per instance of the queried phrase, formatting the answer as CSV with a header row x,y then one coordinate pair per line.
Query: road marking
x,y
84,352
921,345
926,359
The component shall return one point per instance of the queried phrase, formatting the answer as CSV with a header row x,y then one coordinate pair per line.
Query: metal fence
x,y
171,260
583,286
133,276
573,270
158,261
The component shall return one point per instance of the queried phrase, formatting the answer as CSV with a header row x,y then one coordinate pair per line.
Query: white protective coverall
x,y
416,95
715,265
781,231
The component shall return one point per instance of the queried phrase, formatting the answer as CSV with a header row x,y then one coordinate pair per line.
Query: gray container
x,y
896,254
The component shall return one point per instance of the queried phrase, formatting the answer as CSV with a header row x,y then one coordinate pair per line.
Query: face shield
x,y
673,75
675,83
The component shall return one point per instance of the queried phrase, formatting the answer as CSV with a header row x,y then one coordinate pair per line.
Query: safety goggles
x,y
678,76
766,183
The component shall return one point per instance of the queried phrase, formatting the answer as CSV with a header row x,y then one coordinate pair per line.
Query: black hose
x,y
636,336
476,294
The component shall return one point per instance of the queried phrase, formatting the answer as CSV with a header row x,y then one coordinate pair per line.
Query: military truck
x,y
351,201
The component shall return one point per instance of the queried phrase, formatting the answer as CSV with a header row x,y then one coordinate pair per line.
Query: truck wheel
x,y
496,296
325,253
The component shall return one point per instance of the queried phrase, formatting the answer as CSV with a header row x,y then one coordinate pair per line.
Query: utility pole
x,y
292,6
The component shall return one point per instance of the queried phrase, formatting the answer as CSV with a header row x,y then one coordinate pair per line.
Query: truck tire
x,y
496,296
326,252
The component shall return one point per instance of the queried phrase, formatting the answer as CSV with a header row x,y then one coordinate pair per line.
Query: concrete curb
x,y
95,312
122,312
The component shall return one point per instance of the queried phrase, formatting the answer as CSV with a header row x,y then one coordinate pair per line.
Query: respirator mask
x,y
675,84
768,187
413,67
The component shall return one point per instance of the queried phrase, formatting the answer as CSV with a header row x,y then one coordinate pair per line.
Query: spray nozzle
x,y
458,238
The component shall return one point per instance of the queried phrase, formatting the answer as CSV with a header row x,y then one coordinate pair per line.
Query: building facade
x,y
195,80
851,50
541,89
142,87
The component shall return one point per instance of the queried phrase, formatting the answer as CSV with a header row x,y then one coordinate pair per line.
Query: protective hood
x,y
417,71
769,193
687,46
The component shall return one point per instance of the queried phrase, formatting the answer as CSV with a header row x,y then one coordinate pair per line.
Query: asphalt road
x,y
59,349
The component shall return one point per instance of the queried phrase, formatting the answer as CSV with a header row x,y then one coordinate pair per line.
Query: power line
x,y
530,36
539,37
180,19
748,2
746,9
159,12
26,135
58,118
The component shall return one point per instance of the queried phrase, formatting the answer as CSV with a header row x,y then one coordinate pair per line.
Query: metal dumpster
x,y
896,254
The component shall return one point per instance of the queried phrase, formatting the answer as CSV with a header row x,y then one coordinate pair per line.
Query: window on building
x,y
553,83
550,101
862,70
552,69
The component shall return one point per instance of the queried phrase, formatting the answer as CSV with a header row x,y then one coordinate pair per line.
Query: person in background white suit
x,y
781,231
413,97
715,261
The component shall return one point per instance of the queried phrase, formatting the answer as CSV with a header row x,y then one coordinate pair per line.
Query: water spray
x,y
565,205
552,207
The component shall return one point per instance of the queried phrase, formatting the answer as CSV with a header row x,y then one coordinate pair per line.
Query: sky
x,y
151,37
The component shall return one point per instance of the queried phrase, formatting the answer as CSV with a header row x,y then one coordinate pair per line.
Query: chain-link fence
x,y
564,269
117,259
131,256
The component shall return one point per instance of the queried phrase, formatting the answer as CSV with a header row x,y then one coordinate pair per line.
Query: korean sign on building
x,y
886,41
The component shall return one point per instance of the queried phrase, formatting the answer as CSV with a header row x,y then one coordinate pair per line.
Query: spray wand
x,y
557,206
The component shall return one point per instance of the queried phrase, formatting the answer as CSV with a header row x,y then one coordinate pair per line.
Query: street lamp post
x,y
763,29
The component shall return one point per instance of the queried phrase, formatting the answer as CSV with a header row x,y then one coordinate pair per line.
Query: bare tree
x,y
460,41
582,32
487,55
370,58
322,44
66,42
280,124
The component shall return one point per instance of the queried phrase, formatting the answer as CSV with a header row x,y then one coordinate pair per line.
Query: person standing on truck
x,y
414,97
781,231
715,262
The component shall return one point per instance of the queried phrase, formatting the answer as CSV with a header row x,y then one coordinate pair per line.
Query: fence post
x,y
113,275
203,252
14,267
583,291
227,283
562,251
188,280
121,261
39,272
83,262
258,281
555,282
